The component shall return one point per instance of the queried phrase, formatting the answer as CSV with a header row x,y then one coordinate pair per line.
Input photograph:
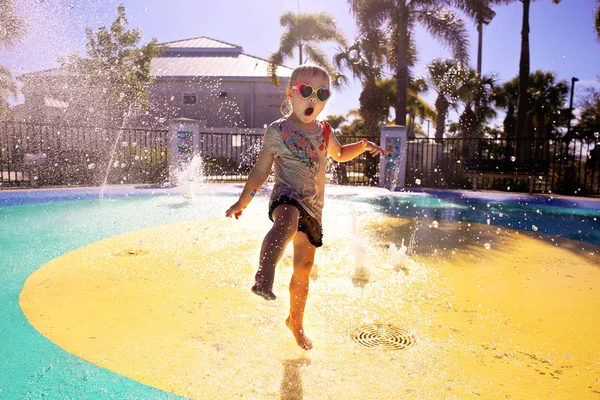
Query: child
x,y
298,145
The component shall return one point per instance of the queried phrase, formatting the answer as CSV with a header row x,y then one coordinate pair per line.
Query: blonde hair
x,y
304,70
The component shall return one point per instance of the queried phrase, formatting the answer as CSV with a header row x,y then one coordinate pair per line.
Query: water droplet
x,y
435,224
417,181
91,166
534,228
487,246
513,158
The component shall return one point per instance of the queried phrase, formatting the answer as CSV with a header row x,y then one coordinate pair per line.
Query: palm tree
x,y
548,99
481,12
8,88
398,20
506,98
12,30
303,31
335,121
475,94
588,125
12,27
445,77
597,20
364,59
416,106
523,104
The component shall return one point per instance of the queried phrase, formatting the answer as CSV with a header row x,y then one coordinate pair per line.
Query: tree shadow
x,y
426,238
291,383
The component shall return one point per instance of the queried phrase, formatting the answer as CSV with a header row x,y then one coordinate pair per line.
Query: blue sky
x,y
562,38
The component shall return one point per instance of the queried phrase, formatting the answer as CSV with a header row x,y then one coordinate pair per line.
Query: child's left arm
x,y
350,151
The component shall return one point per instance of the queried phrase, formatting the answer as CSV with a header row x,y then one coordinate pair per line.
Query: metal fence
x,y
50,155
55,155
570,167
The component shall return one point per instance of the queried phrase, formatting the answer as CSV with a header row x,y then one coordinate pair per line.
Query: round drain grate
x,y
383,336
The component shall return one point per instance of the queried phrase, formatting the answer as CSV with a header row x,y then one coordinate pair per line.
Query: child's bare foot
x,y
302,340
259,290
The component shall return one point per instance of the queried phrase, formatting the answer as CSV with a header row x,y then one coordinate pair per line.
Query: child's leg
x,y
304,255
284,229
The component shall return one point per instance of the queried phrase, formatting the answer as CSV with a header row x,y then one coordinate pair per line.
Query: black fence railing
x,y
50,155
570,167
55,155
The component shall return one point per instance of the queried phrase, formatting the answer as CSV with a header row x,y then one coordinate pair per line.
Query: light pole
x,y
427,128
573,80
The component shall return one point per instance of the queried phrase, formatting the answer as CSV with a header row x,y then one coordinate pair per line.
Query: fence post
x,y
184,144
392,168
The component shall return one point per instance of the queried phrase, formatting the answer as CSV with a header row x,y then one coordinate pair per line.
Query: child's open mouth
x,y
308,112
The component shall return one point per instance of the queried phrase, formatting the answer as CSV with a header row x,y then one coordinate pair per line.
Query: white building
x,y
201,78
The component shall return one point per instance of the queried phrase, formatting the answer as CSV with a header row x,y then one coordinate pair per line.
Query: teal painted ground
x,y
32,367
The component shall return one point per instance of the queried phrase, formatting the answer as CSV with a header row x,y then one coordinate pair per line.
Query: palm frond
x,y
371,13
479,11
447,26
12,26
288,43
318,56
275,60
8,87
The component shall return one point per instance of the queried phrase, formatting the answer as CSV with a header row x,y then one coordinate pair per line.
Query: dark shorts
x,y
306,223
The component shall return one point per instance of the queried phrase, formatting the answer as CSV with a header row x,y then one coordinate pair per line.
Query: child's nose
x,y
313,98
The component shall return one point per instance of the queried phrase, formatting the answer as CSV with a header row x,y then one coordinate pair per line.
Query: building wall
x,y
241,104
221,103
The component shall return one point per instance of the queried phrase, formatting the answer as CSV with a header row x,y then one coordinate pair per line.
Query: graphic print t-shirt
x,y
300,160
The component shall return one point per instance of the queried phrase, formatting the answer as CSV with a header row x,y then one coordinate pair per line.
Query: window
x,y
189,98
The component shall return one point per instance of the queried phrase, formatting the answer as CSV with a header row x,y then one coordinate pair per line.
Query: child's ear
x,y
288,92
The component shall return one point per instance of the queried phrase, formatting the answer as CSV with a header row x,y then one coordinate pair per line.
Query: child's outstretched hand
x,y
235,210
372,148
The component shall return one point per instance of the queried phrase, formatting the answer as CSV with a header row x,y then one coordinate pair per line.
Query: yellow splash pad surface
x,y
171,307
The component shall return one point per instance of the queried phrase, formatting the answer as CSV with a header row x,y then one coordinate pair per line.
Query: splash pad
x,y
170,307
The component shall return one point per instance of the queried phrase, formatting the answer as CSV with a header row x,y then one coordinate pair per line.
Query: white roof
x,y
201,42
238,66
200,57
51,102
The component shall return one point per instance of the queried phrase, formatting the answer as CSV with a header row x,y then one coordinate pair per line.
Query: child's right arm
x,y
257,177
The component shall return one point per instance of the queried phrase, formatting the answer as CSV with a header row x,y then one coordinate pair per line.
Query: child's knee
x,y
286,229
304,265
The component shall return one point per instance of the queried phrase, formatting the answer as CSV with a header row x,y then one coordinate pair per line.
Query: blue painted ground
x,y
33,233
38,226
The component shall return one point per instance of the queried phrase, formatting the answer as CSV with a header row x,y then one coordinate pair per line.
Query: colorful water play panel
x,y
170,307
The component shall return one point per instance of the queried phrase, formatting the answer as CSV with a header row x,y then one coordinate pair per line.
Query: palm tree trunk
x,y
523,106
597,21
402,64
479,57
441,105
479,47
300,53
